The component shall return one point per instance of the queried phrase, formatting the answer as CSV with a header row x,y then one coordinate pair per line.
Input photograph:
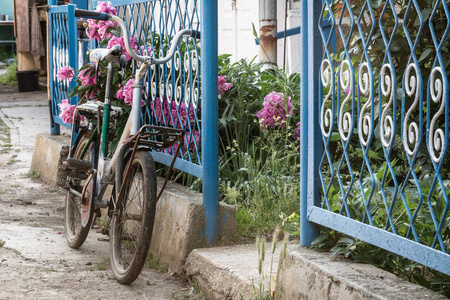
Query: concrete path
x,y
35,261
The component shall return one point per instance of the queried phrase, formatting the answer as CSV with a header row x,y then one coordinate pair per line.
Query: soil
x,y
35,261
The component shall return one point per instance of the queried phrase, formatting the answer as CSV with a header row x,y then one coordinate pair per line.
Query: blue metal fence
x,y
375,161
62,52
173,94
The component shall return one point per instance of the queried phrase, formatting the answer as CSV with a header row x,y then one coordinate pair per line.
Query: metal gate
x,y
375,125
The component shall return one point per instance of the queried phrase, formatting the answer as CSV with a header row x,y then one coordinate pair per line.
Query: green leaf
x,y
425,54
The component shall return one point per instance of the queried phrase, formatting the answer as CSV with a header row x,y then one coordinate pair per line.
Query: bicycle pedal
x,y
103,239
79,165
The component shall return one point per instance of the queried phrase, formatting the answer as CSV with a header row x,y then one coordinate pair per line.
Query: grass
x,y
9,77
2,243
34,175
155,263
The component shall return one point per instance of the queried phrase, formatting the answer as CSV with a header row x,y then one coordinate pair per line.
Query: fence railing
x,y
62,49
172,93
375,161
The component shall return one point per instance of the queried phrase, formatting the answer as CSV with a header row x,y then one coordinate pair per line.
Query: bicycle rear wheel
x,y
132,225
76,234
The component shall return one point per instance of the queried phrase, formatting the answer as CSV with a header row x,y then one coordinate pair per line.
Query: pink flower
x,y
146,50
92,30
103,27
171,114
223,86
65,73
125,93
158,111
119,41
86,77
66,111
97,29
106,7
276,109
181,123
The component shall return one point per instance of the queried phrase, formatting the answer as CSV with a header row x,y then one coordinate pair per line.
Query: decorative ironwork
x,y
388,185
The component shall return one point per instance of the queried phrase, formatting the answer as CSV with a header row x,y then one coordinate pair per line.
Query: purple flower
x,y
223,86
195,137
172,111
276,110
65,73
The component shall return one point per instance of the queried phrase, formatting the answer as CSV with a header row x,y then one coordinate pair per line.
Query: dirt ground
x,y
35,261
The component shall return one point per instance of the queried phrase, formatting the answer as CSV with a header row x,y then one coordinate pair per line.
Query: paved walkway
x,y
35,261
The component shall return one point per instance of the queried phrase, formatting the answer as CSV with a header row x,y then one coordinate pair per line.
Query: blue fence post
x,y
210,156
310,141
81,4
73,34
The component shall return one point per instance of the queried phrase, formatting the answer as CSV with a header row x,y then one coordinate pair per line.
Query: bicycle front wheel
x,y
132,224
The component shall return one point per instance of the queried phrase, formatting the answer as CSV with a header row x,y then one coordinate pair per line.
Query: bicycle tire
x,y
132,225
76,234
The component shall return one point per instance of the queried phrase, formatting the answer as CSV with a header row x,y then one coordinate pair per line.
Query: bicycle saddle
x,y
111,55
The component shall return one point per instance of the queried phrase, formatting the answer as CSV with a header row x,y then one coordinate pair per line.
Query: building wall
x,y
236,32
7,8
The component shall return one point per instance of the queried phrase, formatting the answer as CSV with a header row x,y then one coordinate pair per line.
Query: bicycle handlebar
x,y
107,17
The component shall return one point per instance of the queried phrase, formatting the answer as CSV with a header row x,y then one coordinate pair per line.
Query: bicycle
x,y
130,171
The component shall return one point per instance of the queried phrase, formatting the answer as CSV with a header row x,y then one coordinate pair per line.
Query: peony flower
x,y
119,41
96,29
66,111
159,111
183,115
65,73
223,86
276,110
106,7
86,77
125,93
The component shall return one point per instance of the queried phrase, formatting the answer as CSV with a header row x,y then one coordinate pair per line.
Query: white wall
x,y
236,33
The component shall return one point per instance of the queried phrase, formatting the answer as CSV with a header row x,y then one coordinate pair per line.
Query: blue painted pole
x,y
73,45
310,130
81,4
210,139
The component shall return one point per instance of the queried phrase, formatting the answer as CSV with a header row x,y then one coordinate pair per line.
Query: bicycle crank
x,y
86,199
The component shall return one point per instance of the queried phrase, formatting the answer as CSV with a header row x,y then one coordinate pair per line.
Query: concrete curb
x,y
231,272
49,153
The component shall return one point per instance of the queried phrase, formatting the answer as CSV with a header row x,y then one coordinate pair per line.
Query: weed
x,y
34,175
12,161
2,243
155,263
